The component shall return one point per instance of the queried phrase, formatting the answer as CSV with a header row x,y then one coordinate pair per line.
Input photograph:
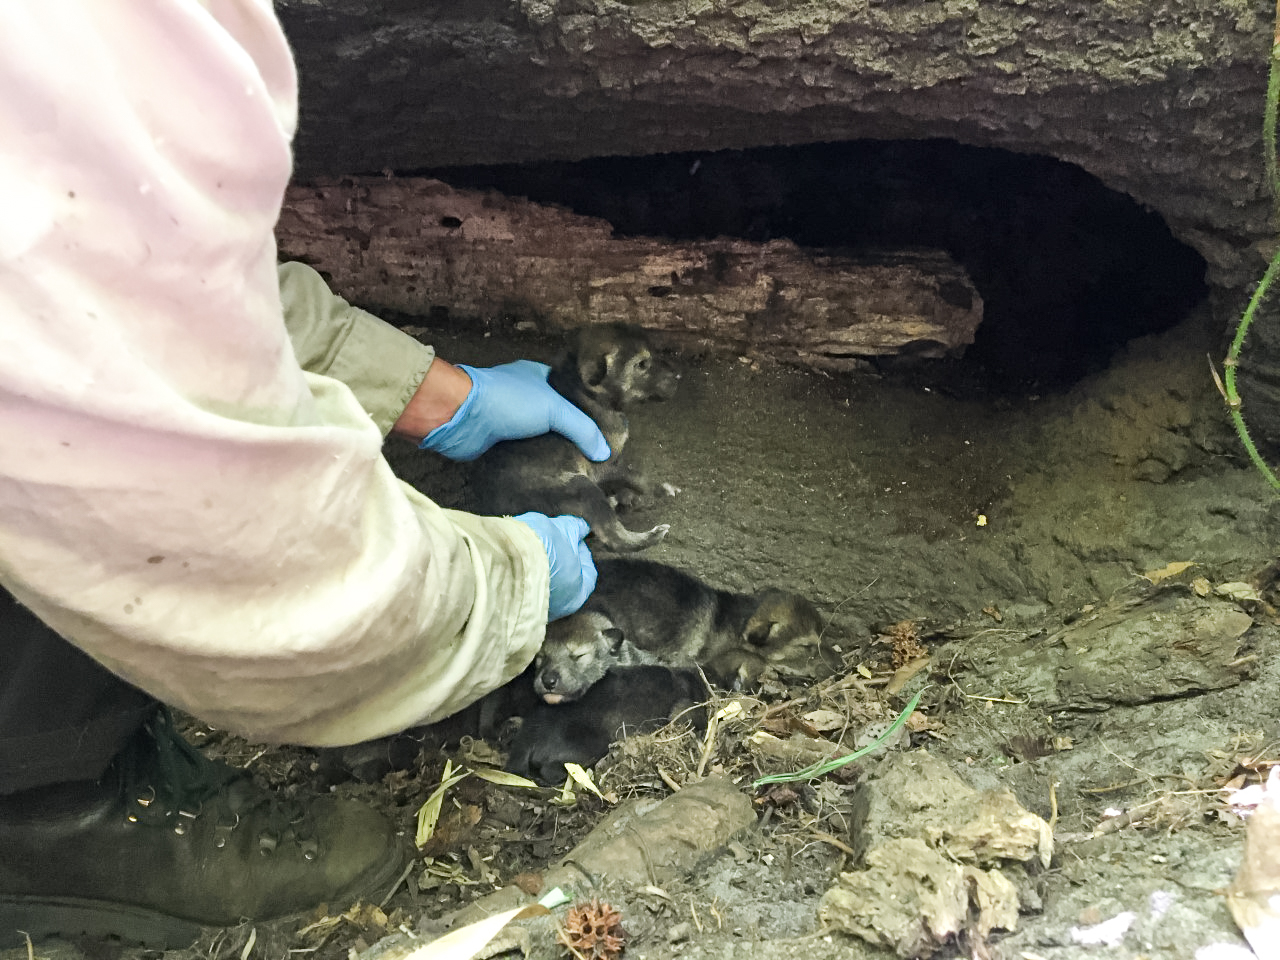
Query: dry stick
x,y
716,913
562,938
834,610
833,840
668,780
693,911
826,689
709,743
404,875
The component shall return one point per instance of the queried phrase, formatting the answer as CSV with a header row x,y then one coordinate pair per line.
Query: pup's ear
x,y
759,630
595,370
614,636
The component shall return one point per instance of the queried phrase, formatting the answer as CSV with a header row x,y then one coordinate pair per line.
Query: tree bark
x,y
417,245
1160,99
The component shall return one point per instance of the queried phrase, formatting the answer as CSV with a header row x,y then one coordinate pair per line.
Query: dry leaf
x,y
429,812
824,720
1237,591
503,778
582,778
1168,570
465,942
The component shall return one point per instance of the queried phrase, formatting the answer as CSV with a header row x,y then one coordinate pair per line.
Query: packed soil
x,y
954,537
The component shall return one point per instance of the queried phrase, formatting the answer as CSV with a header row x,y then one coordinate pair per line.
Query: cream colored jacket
x,y
177,496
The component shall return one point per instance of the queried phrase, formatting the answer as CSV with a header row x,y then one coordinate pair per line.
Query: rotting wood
x,y
416,245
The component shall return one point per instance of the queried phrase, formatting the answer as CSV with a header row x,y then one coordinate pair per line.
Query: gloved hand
x,y
573,572
511,402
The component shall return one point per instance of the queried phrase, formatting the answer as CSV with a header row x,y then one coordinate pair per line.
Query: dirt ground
x,y
992,524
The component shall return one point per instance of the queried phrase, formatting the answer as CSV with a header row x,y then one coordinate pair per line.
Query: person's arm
x,y
177,496
442,391
458,411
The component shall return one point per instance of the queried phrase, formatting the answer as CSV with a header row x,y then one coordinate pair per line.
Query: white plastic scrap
x,y
1245,800
1160,902
1108,933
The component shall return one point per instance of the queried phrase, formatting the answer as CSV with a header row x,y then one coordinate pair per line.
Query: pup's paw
x,y
626,500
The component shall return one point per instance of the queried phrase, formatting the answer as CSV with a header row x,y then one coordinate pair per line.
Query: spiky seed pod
x,y
593,930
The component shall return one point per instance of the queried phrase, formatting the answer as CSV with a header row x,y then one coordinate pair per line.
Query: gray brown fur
x,y
604,370
628,700
644,612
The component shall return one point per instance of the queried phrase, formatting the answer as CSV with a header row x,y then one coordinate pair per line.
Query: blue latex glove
x,y
511,402
573,572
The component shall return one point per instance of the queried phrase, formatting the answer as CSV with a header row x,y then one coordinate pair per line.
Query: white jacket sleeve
x,y
177,497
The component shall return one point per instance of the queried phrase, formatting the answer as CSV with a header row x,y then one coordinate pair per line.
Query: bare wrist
x,y
436,400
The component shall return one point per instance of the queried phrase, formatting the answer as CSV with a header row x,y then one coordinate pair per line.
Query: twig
x,y
693,911
668,780
713,727
1053,804
833,840
245,765
716,913
404,875
1130,816
562,938
1113,787
836,608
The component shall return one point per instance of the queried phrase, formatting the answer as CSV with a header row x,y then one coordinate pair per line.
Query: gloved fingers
x,y
527,369
568,421
589,575
562,416
513,401
575,529
572,569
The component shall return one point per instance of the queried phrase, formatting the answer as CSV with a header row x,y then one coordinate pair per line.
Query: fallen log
x,y
418,246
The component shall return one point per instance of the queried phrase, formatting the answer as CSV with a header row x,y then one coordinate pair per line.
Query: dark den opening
x,y
1069,269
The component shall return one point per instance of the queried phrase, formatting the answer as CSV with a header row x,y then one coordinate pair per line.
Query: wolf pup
x,y
644,612
628,700
605,369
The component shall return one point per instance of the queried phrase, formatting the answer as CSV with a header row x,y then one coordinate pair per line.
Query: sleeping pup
x,y
644,612
628,700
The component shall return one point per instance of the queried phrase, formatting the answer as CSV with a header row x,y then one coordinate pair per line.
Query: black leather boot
x,y
170,841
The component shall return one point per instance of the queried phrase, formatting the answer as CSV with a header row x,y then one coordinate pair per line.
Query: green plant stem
x,y
1273,185
815,770
1232,362
1269,121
